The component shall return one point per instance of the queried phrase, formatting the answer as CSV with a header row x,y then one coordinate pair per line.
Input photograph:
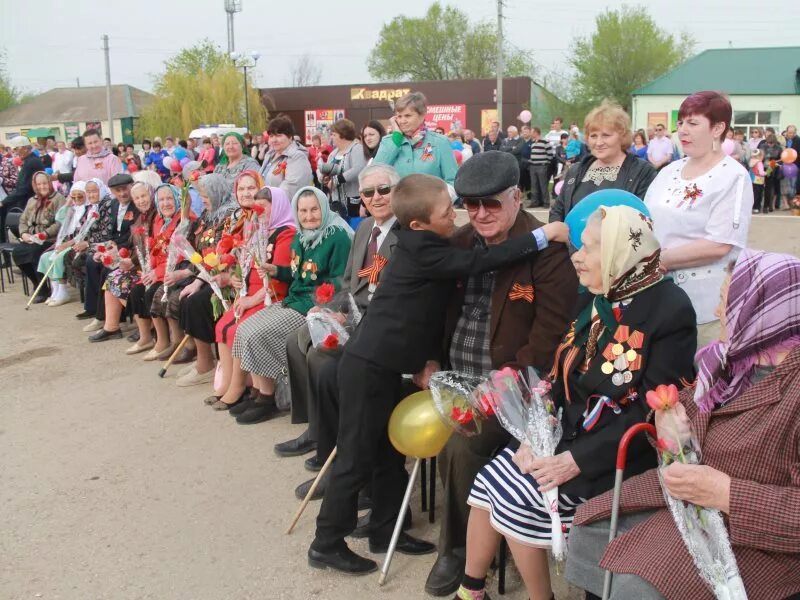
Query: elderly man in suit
x,y
313,374
514,316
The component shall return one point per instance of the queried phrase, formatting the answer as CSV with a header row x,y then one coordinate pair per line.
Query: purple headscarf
x,y
762,319
281,214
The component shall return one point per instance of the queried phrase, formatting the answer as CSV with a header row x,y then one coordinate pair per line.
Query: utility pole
x,y
500,65
232,7
78,81
108,89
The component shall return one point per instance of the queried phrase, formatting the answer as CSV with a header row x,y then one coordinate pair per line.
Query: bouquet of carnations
x,y
457,401
702,529
207,266
82,232
142,243
40,238
260,247
333,319
111,255
526,410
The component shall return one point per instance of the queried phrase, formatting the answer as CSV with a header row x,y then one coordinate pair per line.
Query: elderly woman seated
x,y
743,412
635,330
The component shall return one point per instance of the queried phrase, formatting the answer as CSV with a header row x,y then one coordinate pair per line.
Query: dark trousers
x,y
306,367
369,393
458,464
93,283
772,192
4,208
758,196
524,180
325,417
539,180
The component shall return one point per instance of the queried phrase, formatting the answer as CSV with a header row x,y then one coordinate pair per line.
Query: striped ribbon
x,y
521,292
374,270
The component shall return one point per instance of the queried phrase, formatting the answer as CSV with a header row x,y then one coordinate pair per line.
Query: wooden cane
x,y
41,283
311,490
163,371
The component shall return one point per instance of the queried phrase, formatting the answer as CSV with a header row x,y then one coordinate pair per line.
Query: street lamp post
x,y
243,62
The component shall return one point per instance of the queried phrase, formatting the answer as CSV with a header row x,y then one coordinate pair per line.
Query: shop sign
x,y
387,95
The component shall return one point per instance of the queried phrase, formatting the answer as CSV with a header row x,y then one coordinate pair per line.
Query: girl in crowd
x,y
629,306
234,158
247,186
286,165
72,216
39,217
701,206
371,135
319,254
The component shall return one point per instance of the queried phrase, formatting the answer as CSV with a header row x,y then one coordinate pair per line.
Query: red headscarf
x,y
246,212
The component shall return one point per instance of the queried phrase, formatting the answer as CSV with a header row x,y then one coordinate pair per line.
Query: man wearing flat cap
x,y
24,189
515,317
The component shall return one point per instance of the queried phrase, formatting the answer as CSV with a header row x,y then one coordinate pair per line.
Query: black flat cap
x,y
120,179
487,174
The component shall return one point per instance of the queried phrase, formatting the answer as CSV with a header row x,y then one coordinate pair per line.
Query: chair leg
x,y
2,280
432,500
501,568
424,482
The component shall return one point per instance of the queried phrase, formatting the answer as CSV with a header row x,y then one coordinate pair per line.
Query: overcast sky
x,y
51,43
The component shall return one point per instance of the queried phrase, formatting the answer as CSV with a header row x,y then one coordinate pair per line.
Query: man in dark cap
x,y
514,316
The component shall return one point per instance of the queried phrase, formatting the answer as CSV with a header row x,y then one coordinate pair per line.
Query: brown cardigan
x,y
524,333
33,222
756,440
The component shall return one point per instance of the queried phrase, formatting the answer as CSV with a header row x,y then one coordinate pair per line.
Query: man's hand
x,y
422,378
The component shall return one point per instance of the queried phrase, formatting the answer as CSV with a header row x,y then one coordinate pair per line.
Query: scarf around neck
x,y
331,221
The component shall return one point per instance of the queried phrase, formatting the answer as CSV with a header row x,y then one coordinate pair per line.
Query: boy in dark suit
x,y
399,334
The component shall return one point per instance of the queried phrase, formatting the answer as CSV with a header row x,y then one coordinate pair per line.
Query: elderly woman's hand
x,y
552,471
674,425
699,484
236,283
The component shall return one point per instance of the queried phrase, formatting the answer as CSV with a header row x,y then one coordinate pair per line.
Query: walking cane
x,y
622,456
44,278
311,490
174,355
398,526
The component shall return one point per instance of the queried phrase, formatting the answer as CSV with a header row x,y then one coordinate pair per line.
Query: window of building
x,y
746,120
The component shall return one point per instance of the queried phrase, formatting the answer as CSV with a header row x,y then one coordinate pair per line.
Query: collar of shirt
x,y
387,225
123,208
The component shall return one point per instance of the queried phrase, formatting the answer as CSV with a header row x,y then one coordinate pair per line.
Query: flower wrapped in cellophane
x,y
702,529
185,249
525,409
261,250
456,398
334,317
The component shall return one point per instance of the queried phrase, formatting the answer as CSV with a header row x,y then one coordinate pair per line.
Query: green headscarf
x,y
331,221
223,158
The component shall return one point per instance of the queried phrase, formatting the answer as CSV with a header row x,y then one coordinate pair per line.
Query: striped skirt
x,y
260,342
516,507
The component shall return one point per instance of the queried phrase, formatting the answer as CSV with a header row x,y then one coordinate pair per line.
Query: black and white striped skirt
x,y
516,507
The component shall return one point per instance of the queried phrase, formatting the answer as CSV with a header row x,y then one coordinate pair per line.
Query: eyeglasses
x,y
489,204
383,190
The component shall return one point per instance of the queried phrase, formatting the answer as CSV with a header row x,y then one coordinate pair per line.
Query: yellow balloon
x,y
415,427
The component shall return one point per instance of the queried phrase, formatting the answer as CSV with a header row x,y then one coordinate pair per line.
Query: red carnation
x,y
461,416
330,342
258,209
140,230
325,293
227,259
101,248
225,244
107,260
124,253
41,235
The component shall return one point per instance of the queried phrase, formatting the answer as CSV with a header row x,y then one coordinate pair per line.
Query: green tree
x,y
441,45
200,85
9,95
627,50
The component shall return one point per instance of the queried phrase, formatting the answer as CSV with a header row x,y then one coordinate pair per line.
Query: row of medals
x,y
620,365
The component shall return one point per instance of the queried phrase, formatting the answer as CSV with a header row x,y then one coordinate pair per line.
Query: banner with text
x,y
447,116
319,122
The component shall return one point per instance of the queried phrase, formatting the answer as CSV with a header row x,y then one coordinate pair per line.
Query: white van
x,y
208,130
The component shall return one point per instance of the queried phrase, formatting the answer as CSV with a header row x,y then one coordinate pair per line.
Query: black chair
x,y
426,499
6,248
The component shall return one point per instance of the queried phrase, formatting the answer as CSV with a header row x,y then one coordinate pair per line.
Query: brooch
x,y
521,292
280,169
690,194
621,355
427,153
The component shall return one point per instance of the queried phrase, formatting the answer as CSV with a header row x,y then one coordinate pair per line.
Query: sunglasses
x,y
383,190
489,204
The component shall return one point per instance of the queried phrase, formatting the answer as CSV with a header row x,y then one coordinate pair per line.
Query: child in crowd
x,y
757,175
573,146
402,333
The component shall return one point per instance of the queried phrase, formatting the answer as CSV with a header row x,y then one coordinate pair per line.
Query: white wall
x,y
789,107
4,131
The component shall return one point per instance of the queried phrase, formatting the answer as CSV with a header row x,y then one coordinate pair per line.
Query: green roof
x,y
736,71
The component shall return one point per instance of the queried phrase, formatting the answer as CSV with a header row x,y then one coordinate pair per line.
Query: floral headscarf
x,y
176,197
762,318
223,158
41,202
244,213
331,221
220,192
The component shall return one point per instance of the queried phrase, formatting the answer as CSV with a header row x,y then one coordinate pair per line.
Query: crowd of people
x,y
269,221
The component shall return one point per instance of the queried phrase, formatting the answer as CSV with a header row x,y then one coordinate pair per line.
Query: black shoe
x,y
246,401
134,337
362,526
296,447
301,491
405,545
262,409
84,315
40,299
345,561
103,335
313,464
364,501
445,576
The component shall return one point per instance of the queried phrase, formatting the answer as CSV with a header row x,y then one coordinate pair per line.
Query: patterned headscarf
x,y
762,318
244,213
220,192
145,219
176,197
42,201
223,158
331,221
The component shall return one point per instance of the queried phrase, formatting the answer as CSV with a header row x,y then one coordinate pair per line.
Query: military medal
x,y
622,357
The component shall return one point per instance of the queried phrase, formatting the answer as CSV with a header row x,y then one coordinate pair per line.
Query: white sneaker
x,y
94,325
62,295
195,378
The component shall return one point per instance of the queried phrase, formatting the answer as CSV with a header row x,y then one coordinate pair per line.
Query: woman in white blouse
x,y
701,207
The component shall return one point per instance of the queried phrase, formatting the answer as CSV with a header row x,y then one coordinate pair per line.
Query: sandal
x,y
212,400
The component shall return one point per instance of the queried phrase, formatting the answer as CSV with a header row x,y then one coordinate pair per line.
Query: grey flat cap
x,y
120,179
487,174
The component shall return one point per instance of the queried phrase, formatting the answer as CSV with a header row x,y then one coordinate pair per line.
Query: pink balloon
x,y
728,146
185,161
558,187
525,116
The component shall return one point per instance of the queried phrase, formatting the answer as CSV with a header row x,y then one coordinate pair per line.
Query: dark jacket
x,y
665,317
523,332
514,147
635,176
404,326
122,235
359,286
488,145
24,190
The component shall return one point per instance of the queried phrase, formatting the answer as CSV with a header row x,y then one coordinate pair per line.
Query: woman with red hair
x,y
701,207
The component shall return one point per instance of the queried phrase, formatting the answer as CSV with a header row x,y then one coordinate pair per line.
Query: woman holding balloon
x,y
609,165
